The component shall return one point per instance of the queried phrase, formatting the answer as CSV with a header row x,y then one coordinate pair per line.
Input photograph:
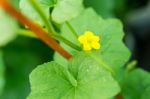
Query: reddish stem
x,y
41,34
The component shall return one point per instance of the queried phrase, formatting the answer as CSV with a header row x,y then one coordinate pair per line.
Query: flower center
x,y
89,41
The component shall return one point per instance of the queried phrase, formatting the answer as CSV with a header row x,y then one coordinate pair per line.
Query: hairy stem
x,y
72,29
41,34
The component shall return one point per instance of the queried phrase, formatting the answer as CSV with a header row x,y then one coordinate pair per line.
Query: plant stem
x,y
49,25
43,35
24,32
60,38
72,29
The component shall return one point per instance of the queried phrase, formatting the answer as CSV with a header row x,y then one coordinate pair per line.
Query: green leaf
x,y
8,28
84,79
66,10
113,52
136,85
29,11
1,73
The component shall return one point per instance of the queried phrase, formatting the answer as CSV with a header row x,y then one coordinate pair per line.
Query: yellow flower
x,y
89,41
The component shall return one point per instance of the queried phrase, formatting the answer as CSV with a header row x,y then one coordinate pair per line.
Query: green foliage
x,y
17,83
120,7
103,7
108,8
1,72
136,85
83,78
63,10
20,58
110,32
7,28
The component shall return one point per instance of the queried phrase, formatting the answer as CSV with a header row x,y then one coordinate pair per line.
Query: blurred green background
x,y
22,55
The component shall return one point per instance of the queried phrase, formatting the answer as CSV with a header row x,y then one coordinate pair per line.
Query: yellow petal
x,y
88,34
96,39
87,47
95,45
82,39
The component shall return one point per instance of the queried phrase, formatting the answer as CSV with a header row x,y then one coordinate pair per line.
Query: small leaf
x,y
113,52
29,11
136,85
66,10
8,28
84,79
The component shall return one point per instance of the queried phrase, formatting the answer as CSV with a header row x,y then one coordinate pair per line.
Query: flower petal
x,y
95,45
82,39
88,34
95,38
